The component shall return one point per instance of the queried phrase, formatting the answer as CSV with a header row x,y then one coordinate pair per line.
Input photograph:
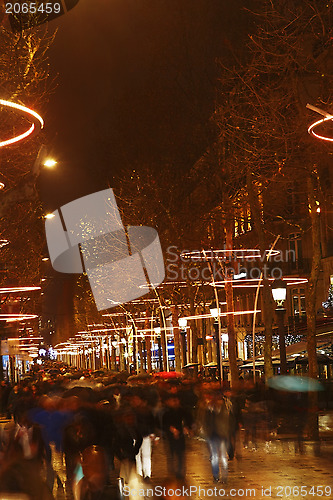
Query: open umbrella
x,y
140,376
86,394
294,383
167,375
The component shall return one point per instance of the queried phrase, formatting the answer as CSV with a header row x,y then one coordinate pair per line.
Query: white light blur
x,y
50,163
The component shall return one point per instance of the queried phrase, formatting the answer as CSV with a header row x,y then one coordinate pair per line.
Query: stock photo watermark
x,y
87,235
278,491
196,265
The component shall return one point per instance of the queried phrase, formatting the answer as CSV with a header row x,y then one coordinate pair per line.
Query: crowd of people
x,y
110,430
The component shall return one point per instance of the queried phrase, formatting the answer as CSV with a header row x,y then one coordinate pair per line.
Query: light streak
x,y
234,313
17,289
315,124
253,282
245,253
85,333
38,120
17,317
25,338
326,118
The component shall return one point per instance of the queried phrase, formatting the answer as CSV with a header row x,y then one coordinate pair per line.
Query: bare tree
x,y
262,121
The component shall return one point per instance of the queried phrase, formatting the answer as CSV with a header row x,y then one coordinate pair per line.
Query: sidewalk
x,y
274,470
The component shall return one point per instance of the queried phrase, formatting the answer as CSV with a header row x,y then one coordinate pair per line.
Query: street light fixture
x,y
279,291
215,313
157,332
49,163
182,322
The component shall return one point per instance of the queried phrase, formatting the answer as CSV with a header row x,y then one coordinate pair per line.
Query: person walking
x,y
214,421
176,423
146,426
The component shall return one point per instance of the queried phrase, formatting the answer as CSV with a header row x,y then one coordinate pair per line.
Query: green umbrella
x,y
294,383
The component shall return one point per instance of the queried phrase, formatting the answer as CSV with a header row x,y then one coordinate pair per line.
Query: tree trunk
x,y
194,332
229,293
164,345
256,217
313,279
204,341
176,337
148,341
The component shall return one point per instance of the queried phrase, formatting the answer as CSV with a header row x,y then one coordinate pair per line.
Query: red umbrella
x,y
169,375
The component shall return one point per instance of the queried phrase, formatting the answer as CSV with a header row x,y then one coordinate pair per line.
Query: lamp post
x,y
215,312
157,331
279,292
182,322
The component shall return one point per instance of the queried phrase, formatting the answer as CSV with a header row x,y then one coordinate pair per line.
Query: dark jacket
x,y
216,421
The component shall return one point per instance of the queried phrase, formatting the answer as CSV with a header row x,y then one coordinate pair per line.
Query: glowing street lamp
x,y
157,332
49,163
49,216
214,310
182,322
279,291
215,313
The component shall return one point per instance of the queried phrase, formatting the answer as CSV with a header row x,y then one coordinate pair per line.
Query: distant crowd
x,y
105,430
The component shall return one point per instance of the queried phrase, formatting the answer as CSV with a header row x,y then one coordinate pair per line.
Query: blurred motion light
x,y
327,117
49,163
32,115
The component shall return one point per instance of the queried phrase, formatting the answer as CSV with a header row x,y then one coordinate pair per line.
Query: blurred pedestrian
x,y
214,420
94,470
176,423
13,401
24,459
128,441
4,394
146,426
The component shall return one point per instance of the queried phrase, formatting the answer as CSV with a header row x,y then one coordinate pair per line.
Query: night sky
x,y
135,86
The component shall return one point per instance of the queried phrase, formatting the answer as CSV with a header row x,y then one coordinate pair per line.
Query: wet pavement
x,y
275,469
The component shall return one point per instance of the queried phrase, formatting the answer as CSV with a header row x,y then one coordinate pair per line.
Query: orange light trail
x,y
31,114
315,124
234,313
16,317
253,282
246,253
17,289
326,118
